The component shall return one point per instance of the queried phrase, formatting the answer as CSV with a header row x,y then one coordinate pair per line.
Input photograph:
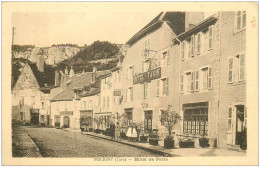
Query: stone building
x,y
150,70
27,93
212,78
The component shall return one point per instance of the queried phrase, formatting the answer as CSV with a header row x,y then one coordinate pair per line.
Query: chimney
x,y
57,77
66,71
40,63
71,71
192,19
93,75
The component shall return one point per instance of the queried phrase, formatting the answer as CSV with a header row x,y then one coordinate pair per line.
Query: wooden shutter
x,y
167,86
158,87
192,82
197,80
181,83
230,69
209,78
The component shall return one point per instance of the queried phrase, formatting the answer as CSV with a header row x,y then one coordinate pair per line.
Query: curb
x,y
34,145
136,146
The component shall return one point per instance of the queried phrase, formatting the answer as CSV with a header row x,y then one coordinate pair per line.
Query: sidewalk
x,y
22,144
176,151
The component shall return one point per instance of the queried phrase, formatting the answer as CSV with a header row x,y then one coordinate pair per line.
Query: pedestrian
x,y
112,130
117,131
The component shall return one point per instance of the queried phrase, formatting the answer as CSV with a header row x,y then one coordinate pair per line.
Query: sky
x,y
103,23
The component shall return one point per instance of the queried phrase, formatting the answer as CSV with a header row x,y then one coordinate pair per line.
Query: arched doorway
x,y
66,122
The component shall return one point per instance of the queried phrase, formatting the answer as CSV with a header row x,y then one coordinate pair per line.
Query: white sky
x,y
116,25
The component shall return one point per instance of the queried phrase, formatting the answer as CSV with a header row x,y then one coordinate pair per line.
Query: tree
x,y
169,118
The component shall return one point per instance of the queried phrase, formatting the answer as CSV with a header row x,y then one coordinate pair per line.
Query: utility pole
x,y
13,43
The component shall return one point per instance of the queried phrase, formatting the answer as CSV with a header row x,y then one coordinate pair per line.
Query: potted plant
x,y
169,118
154,138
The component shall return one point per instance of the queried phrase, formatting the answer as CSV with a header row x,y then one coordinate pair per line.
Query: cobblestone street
x,y
60,143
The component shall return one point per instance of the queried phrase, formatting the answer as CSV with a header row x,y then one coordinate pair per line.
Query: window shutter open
x,y
181,84
230,70
158,87
192,82
197,80
210,78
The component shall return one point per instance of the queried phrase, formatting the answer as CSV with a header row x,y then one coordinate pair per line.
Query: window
x,y
108,102
130,94
229,126
147,47
43,105
130,72
197,80
145,89
21,102
148,120
196,121
198,43
190,81
240,20
21,116
164,59
182,50
204,78
164,86
210,37
145,66
32,100
209,77
241,67
191,46
230,70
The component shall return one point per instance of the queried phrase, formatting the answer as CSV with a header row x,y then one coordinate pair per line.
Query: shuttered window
x,y
230,70
181,83
242,67
197,80
209,78
198,43
192,82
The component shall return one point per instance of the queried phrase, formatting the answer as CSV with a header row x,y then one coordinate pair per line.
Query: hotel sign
x,y
66,113
147,76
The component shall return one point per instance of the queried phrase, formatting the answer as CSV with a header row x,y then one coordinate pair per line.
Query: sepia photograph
x,y
130,85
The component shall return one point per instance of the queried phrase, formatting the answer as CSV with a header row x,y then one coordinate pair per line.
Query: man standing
x,y
112,130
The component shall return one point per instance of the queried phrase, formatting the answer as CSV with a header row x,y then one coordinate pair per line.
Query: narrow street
x,y
60,143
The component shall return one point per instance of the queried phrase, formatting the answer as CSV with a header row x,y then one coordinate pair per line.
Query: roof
x,y
47,77
200,26
175,20
76,81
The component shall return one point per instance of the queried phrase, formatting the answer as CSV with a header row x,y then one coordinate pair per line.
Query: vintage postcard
x,y
130,83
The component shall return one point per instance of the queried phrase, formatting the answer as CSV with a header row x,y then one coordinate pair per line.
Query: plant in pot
x,y
169,119
143,137
154,138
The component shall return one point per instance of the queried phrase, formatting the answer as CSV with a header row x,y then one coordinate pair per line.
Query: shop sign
x,y
147,76
66,113
117,92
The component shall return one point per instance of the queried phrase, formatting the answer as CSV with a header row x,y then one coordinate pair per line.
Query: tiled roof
x,y
175,20
77,81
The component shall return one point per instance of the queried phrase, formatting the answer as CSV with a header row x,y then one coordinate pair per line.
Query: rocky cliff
x,y
52,55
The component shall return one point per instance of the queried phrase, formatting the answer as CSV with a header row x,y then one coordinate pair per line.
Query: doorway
x,y
148,120
66,122
239,124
